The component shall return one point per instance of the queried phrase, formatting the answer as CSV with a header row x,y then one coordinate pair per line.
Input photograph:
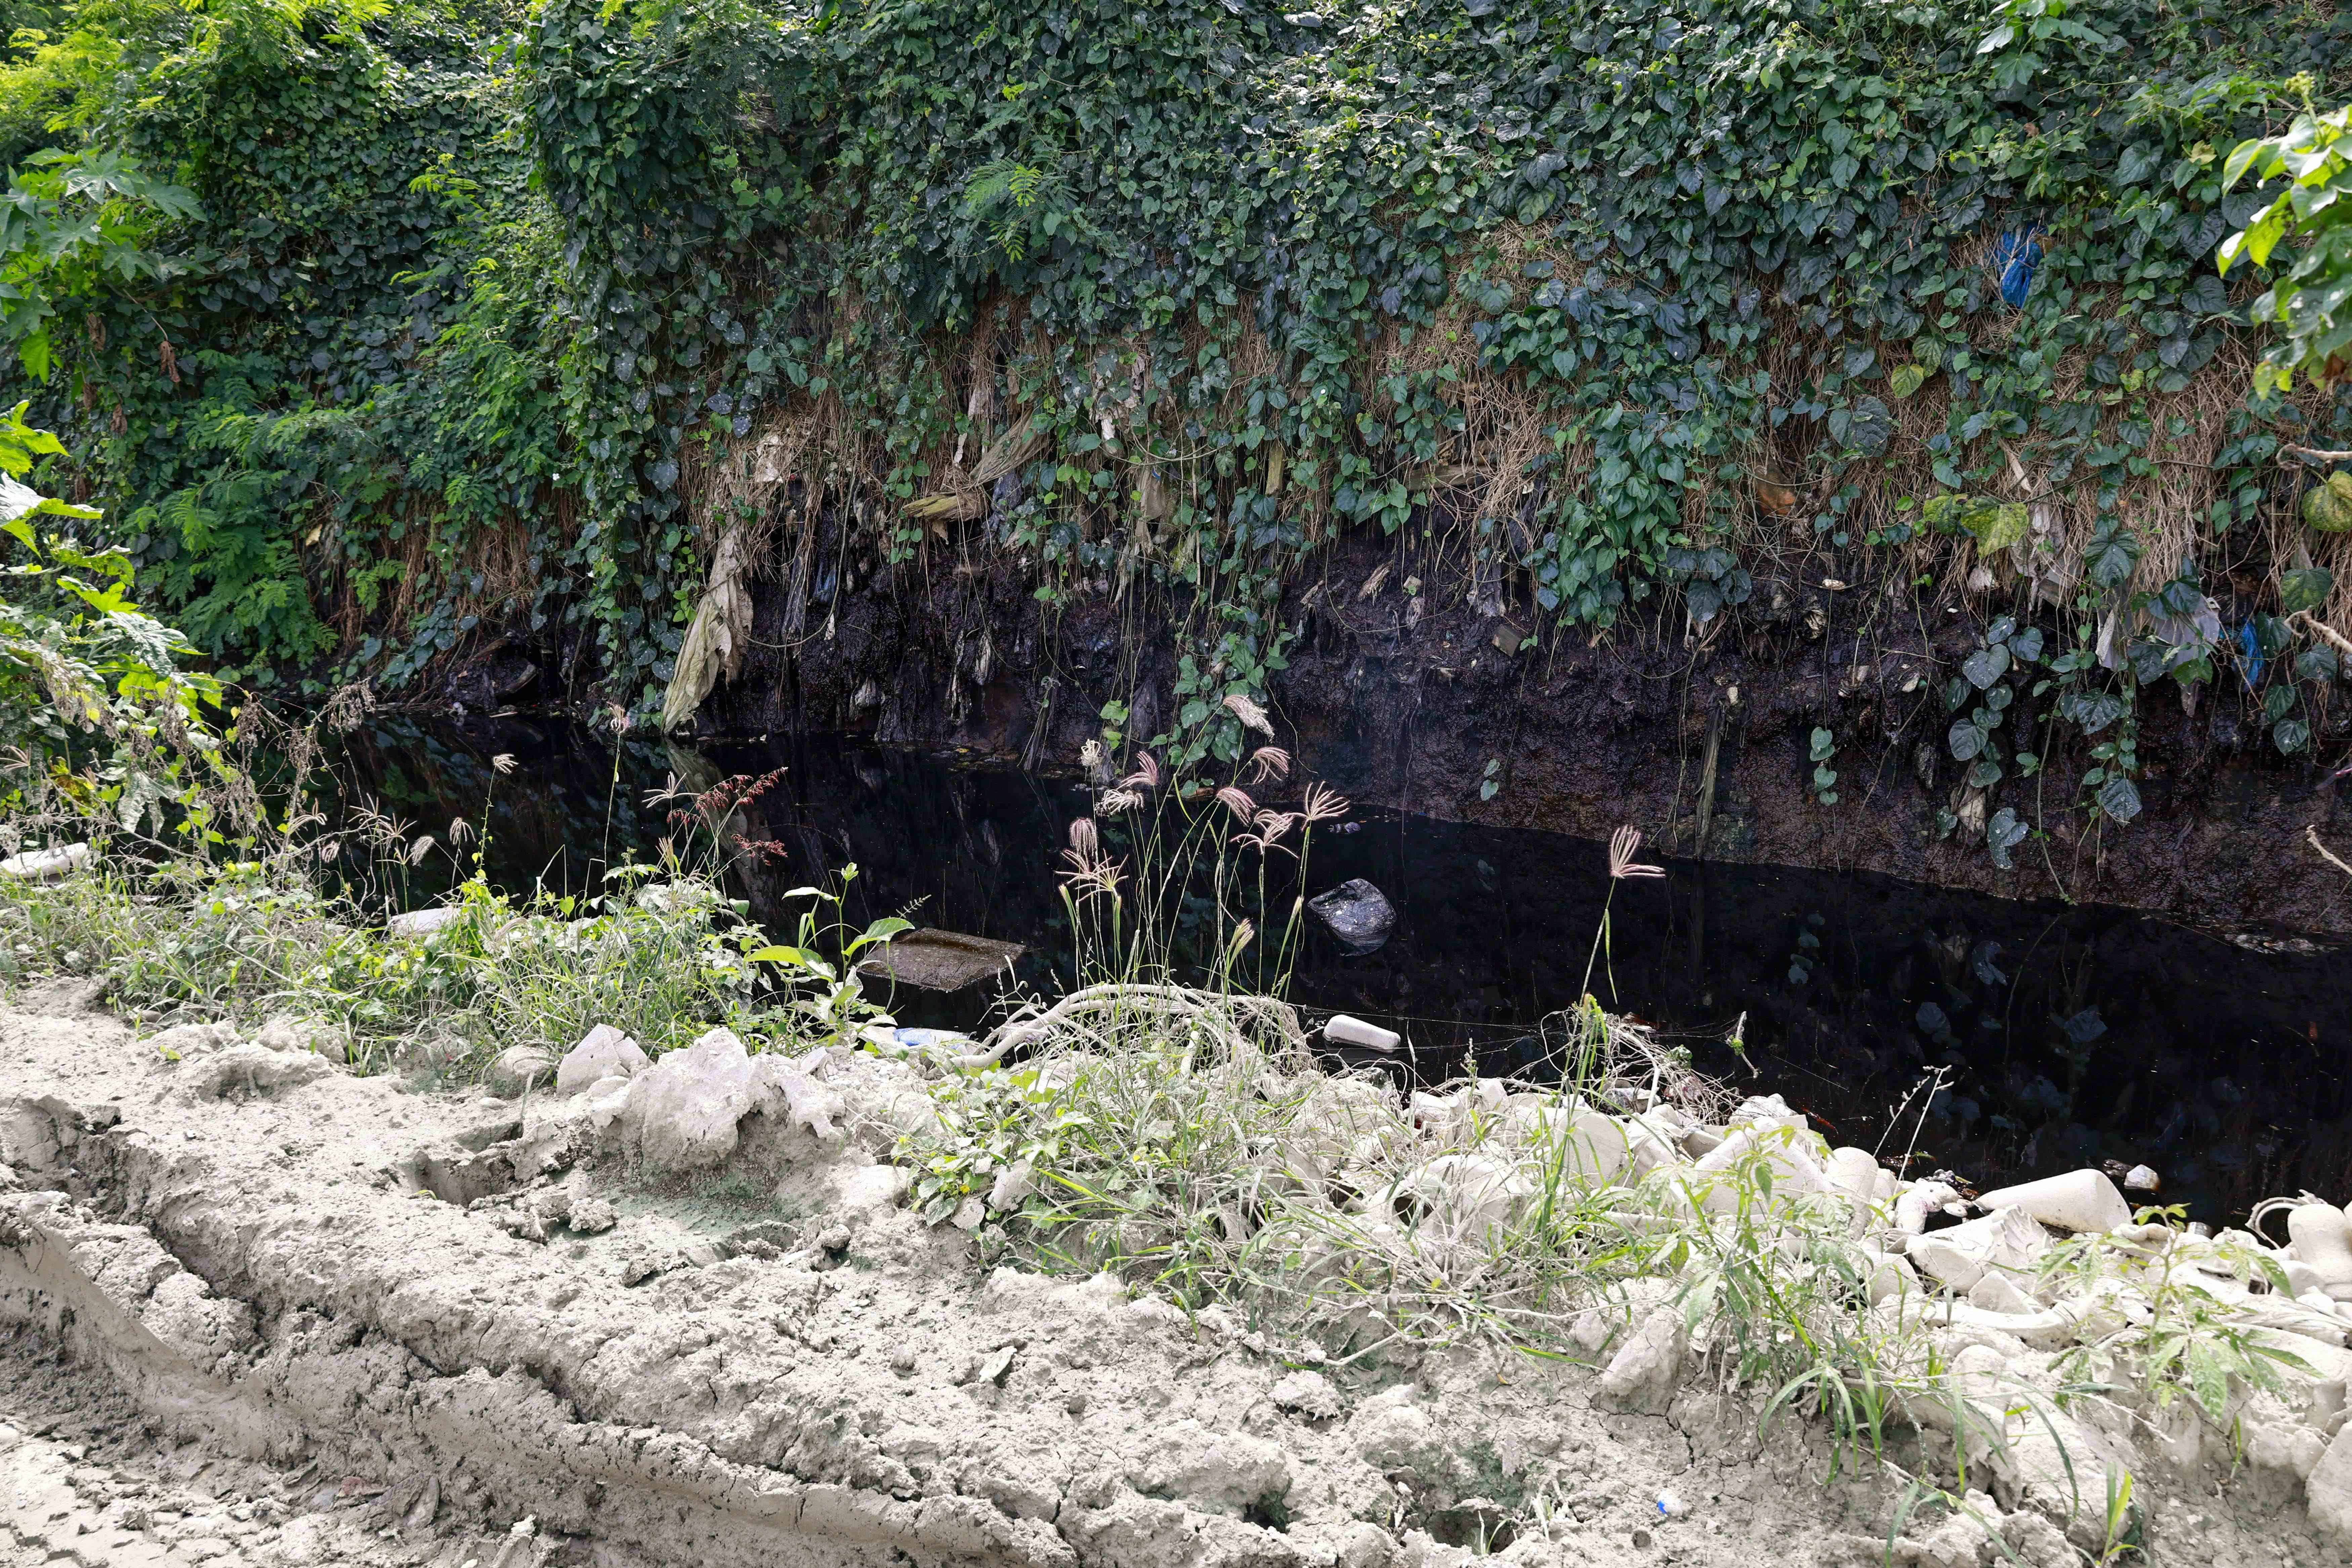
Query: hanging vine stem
x,y
2311,834
2323,632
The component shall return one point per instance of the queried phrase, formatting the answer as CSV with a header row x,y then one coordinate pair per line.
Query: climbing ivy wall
x,y
513,320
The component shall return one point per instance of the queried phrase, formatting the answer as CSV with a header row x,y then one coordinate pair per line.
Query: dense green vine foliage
x,y
334,391
1611,297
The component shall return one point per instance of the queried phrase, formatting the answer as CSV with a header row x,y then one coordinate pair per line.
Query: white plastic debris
x,y
1457,1197
1782,1152
1914,1203
1890,1275
1997,1292
1344,1030
2081,1200
417,924
1767,1112
2322,1237
1670,1505
1014,1184
1597,1147
1854,1173
2004,1241
44,865
2142,1179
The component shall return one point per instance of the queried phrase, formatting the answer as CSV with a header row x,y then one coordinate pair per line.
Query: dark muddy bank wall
x,y
1415,702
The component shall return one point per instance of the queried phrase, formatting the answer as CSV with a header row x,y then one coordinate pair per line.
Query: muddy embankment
x,y
1404,701
388,1317
374,1321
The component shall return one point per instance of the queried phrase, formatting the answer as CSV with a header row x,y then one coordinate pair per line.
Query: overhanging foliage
x,y
1609,295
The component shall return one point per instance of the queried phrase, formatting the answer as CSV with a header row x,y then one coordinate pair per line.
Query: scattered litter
x,y
417,924
935,960
46,865
1343,1030
1357,913
2017,257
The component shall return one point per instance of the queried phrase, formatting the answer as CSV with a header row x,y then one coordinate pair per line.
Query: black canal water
x,y
2066,1035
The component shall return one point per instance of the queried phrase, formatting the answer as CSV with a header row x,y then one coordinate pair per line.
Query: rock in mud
x,y
518,1069
249,1069
2036,1543
1357,913
1389,1430
2328,1494
604,1052
684,1114
1222,1471
591,1216
2284,1446
286,1032
184,1313
1307,1394
871,1189
1961,1540
184,1040
1642,1375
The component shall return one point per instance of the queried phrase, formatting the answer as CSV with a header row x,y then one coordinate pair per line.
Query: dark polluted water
x,y
2068,1034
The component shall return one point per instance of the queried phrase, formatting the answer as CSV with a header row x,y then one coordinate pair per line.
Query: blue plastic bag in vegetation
x,y
2017,257
2250,642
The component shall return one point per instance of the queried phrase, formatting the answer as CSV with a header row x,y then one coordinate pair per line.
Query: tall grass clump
x,y
245,903
1167,1121
1169,877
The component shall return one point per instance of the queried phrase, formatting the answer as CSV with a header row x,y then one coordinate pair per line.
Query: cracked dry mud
x,y
232,1330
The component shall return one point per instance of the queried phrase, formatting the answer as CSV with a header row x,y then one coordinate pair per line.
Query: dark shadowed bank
x,y
1704,743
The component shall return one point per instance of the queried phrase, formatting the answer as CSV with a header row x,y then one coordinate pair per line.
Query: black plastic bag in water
x,y
1359,914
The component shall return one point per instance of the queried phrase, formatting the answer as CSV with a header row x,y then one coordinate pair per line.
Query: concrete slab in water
x,y
942,959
